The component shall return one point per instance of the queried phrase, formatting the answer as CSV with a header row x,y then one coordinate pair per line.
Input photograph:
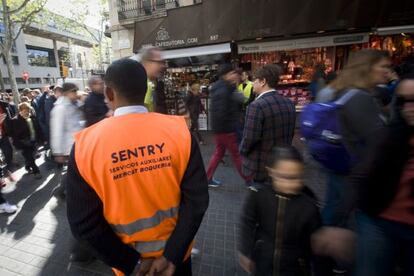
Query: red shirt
x,y
402,206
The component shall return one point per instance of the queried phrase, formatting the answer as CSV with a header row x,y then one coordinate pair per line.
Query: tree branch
x,y
83,26
28,20
22,6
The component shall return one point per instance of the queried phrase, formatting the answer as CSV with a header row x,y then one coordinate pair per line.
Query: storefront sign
x,y
304,43
217,21
186,27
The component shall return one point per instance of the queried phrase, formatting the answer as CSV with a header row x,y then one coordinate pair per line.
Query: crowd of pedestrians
x,y
136,188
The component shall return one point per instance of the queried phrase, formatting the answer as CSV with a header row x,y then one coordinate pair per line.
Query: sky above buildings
x,y
64,8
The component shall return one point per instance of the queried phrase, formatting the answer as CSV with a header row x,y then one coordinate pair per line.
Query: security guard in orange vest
x,y
137,189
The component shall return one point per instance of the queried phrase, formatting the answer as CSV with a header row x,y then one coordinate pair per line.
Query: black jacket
x,y
375,181
225,107
269,218
95,108
19,131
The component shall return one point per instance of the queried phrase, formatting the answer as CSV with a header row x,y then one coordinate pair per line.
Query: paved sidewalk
x,y
37,239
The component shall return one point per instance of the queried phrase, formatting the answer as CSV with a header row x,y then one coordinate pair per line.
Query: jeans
x,y
332,215
223,142
379,243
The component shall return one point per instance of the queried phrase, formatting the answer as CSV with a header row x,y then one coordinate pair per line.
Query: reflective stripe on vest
x,y
152,246
142,224
136,176
247,91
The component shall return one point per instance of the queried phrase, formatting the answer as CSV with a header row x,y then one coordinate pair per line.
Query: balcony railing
x,y
143,9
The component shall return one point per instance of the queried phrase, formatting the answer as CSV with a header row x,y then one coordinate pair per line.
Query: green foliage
x,y
27,12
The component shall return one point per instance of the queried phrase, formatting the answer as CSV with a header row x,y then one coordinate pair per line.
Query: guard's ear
x,y
109,94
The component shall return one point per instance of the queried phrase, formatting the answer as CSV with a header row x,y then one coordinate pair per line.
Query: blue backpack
x,y
320,126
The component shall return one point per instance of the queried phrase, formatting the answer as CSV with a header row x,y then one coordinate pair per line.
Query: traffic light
x,y
64,70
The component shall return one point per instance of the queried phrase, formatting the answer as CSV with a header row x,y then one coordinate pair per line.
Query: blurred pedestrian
x,y
12,106
65,121
5,207
30,94
40,112
318,81
225,102
194,106
144,207
382,187
26,134
95,107
50,100
359,117
278,220
6,114
154,64
270,122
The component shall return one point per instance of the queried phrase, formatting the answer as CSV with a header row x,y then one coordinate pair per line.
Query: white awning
x,y
197,51
395,30
303,43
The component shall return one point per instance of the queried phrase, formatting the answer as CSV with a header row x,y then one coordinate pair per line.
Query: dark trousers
x,y
184,269
379,242
28,154
195,128
7,150
225,141
333,213
2,200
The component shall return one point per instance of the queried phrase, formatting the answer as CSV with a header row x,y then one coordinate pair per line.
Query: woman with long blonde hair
x,y
359,117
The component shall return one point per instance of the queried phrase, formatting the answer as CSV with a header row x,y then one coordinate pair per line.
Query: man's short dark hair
x,y
148,53
93,79
68,87
270,73
128,78
224,69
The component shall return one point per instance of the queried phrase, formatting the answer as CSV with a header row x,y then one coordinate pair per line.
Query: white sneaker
x,y
8,208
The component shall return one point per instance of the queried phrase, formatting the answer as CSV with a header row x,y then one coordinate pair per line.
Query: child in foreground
x,y
278,220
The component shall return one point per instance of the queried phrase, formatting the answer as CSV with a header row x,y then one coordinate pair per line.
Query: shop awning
x,y
198,51
303,43
395,30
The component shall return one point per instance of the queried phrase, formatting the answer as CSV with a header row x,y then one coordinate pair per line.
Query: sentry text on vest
x,y
141,151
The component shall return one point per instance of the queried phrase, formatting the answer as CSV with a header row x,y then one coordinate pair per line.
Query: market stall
x,y
298,59
190,65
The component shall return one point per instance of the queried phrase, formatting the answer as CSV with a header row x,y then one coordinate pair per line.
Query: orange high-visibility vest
x,y
135,163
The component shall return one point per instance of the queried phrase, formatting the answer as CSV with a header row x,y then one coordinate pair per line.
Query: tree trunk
x,y
2,82
100,56
12,76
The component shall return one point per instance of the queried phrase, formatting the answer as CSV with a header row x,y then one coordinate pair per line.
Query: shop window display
x,y
298,67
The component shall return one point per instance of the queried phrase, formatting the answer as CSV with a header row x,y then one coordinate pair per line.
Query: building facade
x,y
49,55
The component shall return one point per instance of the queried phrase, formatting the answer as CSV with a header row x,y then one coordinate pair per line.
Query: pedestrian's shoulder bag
x,y
320,126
